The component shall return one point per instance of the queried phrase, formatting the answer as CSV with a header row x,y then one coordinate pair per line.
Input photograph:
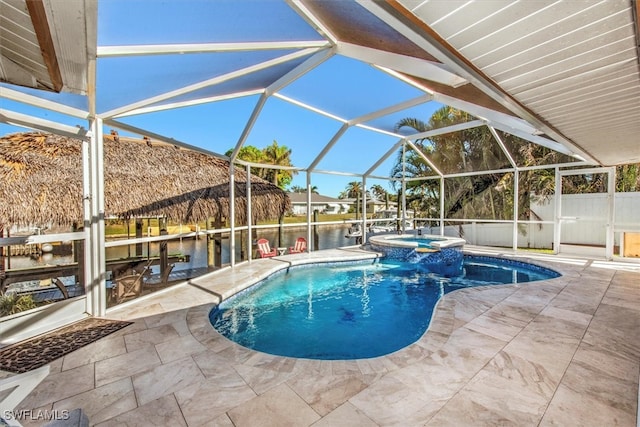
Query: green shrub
x,y
12,304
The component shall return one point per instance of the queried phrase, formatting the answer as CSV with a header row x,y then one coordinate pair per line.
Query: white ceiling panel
x,y
574,64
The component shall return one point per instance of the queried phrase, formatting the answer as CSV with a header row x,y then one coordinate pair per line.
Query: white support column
x,y
364,210
442,205
94,249
611,192
404,205
309,245
249,216
232,213
557,222
516,200
403,186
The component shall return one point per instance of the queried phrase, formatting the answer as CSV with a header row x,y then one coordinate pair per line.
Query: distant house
x,y
373,205
323,204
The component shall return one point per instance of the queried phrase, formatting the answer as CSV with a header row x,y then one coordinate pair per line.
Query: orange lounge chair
x,y
299,247
265,250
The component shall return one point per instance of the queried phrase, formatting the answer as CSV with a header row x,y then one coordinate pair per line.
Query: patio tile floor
x,y
559,352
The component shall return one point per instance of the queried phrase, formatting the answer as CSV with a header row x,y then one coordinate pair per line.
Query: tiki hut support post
x,y
316,234
139,226
214,243
217,243
2,267
210,244
164,253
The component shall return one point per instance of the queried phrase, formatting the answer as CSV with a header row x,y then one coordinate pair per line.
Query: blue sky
x,y
342,86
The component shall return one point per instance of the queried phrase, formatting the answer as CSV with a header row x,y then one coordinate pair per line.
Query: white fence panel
x,y
588,229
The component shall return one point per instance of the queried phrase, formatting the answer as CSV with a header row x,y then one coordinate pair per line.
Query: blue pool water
x,y
423,242
351,310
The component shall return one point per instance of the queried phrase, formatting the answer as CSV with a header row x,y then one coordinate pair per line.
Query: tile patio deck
x,y
560,352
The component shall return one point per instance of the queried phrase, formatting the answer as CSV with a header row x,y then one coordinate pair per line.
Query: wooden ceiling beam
x,y
47,49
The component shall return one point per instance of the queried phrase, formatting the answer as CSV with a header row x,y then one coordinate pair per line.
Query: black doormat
x,y
44,349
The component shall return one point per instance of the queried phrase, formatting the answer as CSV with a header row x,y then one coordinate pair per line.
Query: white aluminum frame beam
x,y
422,68
337,173
425,158
162,138
299,71
536,139
469,107
502,146
31,122
248,126
209,82
384,157
191,103
448,129
35,101
312,20
377,130
266,165
328,147
419,100
309,107
173,49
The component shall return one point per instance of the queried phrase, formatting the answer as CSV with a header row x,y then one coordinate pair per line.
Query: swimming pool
x,y
351,310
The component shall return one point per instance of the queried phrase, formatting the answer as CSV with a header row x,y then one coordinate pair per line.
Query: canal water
x,y
329,236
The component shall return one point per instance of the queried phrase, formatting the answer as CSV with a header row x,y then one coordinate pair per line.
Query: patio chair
x,y
299,247
127,287
61,287
265,250
164,278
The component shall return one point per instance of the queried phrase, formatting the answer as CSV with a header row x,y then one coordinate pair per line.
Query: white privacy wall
x,y
586,216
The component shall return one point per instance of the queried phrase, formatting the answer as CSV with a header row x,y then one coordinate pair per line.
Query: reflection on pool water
x,y
352,310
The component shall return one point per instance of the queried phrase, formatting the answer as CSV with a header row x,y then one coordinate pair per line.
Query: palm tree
x,y
297,189
379,192
273,154
278,155
628,178
352,190
463,151
300,189
252,154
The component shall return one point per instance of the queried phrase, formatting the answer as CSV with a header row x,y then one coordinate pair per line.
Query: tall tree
x,y
274,154
278,155
301,189
252,154
379,192
471,150
353,190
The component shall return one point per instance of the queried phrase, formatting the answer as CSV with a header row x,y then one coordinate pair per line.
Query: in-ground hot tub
x,y
436,254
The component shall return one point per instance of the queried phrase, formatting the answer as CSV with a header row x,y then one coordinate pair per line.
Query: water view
x,y
328,237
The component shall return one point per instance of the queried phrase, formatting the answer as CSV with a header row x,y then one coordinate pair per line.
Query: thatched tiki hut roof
x,y
41,182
